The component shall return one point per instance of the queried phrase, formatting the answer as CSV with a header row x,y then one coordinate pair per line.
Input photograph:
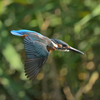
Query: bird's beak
x,y
75,50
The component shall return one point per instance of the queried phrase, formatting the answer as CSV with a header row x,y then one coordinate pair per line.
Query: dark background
x,y
65,75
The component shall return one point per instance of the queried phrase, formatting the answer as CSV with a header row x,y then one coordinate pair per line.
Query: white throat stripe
x,y
54,44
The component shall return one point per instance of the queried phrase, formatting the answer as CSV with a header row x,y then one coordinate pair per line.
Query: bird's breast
x,y
50,48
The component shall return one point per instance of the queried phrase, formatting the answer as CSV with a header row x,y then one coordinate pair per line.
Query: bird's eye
x,y
64,45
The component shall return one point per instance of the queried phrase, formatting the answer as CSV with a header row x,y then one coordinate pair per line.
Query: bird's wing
x,y
36,56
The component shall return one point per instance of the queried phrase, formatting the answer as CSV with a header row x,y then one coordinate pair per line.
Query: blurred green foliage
x,y
65,76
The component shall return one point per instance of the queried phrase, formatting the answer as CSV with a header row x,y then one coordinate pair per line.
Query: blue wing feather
x,y
36,56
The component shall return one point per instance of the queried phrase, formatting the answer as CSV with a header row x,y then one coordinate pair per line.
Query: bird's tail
x,y
21,32
17,33
64,46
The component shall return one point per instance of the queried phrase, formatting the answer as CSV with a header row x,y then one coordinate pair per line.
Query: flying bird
x,y
37,48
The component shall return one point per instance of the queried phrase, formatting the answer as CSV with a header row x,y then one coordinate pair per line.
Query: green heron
x,y
37,48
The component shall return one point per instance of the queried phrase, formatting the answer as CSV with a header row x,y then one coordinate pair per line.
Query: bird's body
x,y
37,48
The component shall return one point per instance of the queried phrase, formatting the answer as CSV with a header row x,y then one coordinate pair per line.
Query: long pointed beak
x,y
75,50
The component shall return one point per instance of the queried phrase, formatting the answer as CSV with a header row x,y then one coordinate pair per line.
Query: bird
x,y
37,49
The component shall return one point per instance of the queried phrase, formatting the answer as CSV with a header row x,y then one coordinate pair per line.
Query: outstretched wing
x,y
36,55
